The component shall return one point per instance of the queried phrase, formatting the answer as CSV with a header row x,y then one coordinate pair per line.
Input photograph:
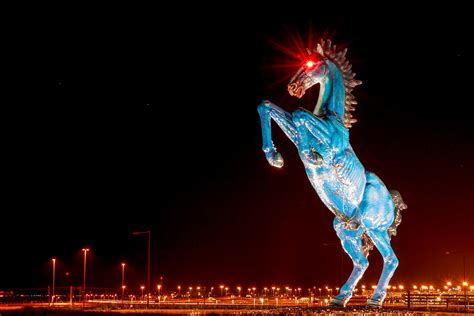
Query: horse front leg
x,y
314,136
267,112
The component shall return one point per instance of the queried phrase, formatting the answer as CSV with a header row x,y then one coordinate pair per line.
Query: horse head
x,y
328,67
313,71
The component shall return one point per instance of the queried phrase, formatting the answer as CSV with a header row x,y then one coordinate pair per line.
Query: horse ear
x,y
319,49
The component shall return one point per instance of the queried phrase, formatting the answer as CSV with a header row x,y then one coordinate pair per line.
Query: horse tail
x,y
367,243
399,206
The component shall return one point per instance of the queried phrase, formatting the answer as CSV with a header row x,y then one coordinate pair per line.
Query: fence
x,y
414,300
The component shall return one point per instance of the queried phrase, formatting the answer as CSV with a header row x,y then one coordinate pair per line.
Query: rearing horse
x,y
366,213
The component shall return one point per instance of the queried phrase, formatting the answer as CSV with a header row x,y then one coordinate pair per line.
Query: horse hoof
x,y
335,302
374,303
275,159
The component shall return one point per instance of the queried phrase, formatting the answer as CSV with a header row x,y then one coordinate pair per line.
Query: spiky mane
x,y
325,49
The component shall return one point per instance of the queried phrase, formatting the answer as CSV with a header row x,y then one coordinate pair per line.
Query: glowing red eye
x,y
309,64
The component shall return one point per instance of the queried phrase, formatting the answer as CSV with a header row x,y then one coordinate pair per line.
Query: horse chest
x,y
339,183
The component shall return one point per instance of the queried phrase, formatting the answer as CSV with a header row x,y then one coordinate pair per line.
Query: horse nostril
x,y
291,88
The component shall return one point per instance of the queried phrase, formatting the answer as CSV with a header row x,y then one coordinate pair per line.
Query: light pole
x,y
142,287
85,250
54,279
222,289
464,285
148,275
123,280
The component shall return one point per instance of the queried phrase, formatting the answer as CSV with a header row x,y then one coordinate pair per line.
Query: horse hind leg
x,y
352,243
381,240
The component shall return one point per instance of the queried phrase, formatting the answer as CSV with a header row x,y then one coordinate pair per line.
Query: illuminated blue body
x,y
359,199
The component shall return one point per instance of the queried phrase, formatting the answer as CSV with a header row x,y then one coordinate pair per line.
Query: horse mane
x,y
325,49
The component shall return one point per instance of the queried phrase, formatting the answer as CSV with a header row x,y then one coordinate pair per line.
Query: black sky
x,y
117,119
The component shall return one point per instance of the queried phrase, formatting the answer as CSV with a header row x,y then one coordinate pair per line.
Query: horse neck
x,y
333,92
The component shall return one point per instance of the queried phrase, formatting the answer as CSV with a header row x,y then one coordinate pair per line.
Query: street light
x,y
123,279
239,289
85,250
148,276
54,279
222,288
143,296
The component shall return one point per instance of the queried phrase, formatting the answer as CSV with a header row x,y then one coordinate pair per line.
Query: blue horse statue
x,y
366,213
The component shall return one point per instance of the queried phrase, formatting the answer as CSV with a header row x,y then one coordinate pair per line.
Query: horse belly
x,y
377,207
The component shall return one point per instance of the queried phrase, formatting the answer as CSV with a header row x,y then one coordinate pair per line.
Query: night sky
x,y
117,120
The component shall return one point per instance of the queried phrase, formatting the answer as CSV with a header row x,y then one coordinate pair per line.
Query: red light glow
x,y
309,64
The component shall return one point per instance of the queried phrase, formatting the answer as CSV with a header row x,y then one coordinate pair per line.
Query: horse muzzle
x,y
296,90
